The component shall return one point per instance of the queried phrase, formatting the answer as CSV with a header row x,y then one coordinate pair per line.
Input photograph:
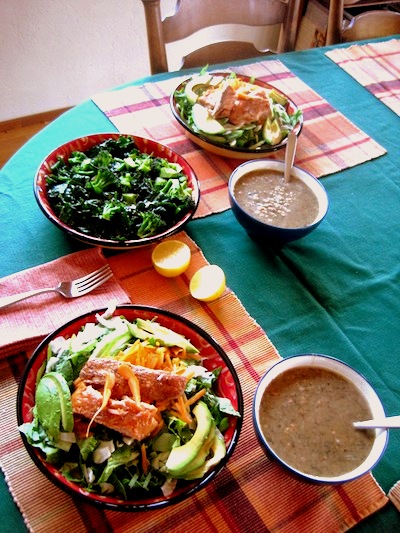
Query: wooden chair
x,y
372,24
335,27
190,16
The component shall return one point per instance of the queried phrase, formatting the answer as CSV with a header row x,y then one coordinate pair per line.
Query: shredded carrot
x,y
160,424
155,356
145,462
180,409
78,381
127,373
195,397
108,385
163,405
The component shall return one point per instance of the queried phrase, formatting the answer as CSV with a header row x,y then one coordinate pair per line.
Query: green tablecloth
x,y
335,292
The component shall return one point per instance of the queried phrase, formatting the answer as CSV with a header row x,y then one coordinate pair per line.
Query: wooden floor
x,y
12,140
15,133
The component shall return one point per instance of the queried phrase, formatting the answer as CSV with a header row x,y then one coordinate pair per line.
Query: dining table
x,y
334,292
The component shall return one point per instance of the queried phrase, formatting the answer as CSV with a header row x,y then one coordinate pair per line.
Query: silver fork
x,y
69,289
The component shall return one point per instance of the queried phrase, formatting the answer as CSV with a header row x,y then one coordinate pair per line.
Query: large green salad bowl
x,y
116,191
99,457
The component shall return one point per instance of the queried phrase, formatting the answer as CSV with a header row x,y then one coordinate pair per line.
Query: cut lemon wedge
x,y
208,283
171,258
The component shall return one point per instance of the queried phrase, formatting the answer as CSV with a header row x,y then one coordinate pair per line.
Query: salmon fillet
x,y
124,415
219,101
155,385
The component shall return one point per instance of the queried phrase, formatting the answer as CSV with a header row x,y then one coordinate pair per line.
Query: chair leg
x,y
335,21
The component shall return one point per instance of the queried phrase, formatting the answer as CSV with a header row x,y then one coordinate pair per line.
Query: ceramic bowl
x,y
332,364
262,231
228,386
225,150
82,144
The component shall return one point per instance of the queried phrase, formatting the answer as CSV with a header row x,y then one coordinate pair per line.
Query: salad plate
x,y
233,115
111,482
116,191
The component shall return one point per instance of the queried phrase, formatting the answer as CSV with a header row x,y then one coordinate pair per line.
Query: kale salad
x,y
116,192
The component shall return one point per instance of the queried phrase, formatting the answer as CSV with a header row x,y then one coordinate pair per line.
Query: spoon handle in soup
x,y
289,155
388,422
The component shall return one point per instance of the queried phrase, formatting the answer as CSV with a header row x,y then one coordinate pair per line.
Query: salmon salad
x,y
125,407
235,111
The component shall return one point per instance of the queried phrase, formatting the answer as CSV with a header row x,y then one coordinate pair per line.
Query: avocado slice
x,y
182,456
193,86
205,122
218,449
272,133
278,97
53,404
198,462
166,336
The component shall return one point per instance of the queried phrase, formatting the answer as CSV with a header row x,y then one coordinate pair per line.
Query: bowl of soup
x,y
303,413
271,208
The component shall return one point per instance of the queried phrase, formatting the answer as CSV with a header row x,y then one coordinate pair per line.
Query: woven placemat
x,y
376,66
250,494
328,143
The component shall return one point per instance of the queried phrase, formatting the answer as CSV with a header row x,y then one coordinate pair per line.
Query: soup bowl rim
x,y
311,182
345,370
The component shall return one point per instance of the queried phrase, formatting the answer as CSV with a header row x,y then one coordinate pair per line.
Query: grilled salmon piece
x,y
219,101
249,109
155,385
124,415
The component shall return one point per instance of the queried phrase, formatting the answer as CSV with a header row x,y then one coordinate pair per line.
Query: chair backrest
x,y
335,26
211,16
372,24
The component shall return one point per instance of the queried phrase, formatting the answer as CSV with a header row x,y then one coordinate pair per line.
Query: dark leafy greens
x,y
113,191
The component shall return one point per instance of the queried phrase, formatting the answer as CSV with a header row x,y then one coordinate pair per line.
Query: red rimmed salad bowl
x,y
131,409
116,191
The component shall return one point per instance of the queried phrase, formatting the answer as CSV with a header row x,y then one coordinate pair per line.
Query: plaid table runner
x,y
376,66
250,495
328,143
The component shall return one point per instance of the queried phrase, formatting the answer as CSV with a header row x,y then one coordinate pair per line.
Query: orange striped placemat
x,y
376,66
329,142
250,494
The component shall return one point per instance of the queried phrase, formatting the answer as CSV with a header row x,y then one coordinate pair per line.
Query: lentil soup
x,y
266,195
307,415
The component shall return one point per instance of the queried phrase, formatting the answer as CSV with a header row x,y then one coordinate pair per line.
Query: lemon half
x,y
171,258
208,283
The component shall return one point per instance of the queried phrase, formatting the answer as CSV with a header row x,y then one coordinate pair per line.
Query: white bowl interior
x,y
270,164
334,365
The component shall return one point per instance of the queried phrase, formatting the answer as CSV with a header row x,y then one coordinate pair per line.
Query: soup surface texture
x,y
306,416
268,197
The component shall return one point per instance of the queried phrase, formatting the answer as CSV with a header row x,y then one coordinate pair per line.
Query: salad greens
x,y
103,460
113,191
257,133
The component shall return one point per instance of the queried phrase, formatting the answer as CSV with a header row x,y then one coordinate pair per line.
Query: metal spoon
x,y
386,422
289,155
